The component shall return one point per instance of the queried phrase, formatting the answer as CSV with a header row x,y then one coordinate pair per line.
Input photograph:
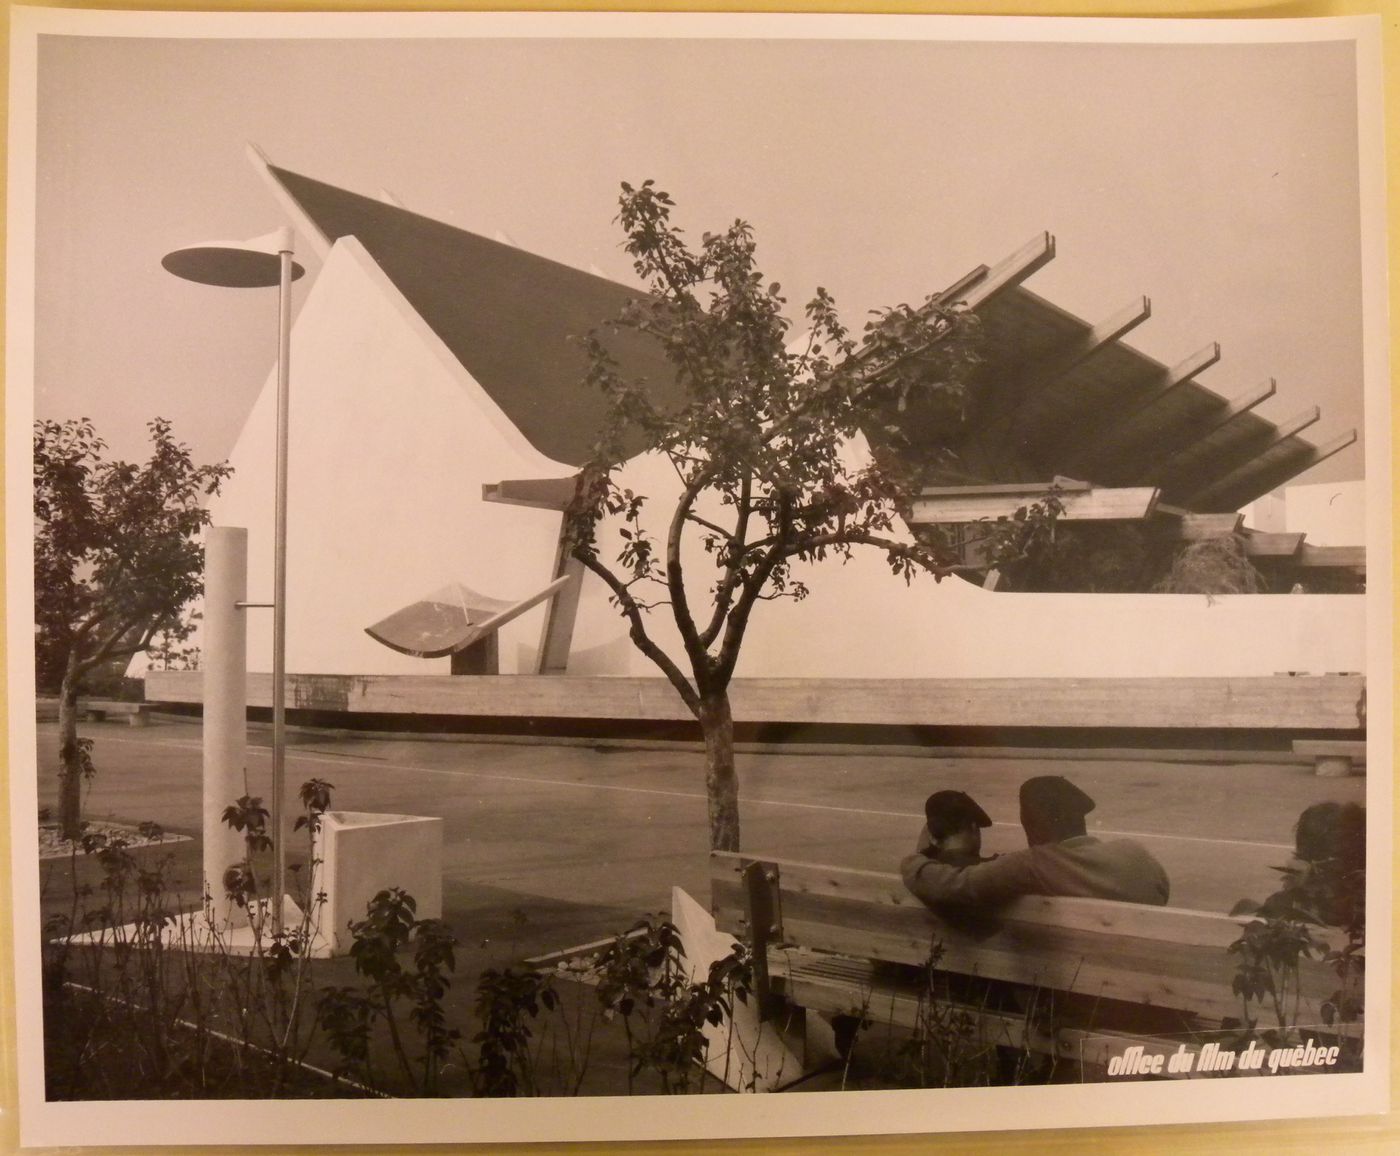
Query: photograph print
x,y
817,567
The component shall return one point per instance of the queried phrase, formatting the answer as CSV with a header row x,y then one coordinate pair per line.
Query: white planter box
x,y
363,854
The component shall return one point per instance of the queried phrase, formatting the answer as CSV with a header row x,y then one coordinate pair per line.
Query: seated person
x,y
1326,882
1061,859
953,833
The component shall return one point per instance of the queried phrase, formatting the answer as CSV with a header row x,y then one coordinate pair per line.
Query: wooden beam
x,y
1096,441
1203,495
1189,527
1094,505
1037,489
1034,254
1043,374
976,289
959,288
539,493
1258,544
1333,557
1159,466
1271,477
1322,702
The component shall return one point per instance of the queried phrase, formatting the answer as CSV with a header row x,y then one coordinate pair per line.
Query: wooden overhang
x,y
1060,396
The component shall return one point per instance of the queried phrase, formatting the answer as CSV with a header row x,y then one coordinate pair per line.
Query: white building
x,y
430,365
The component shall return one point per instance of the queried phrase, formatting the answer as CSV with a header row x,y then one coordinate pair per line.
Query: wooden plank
x,y
1204,495
860,991
764,915
1103,440
1031,490
1098,504
1258,483
1136,953
1260,544
1332,557
1044,373
886,891
1033,255
1188,527
959,288
1323,702
1180,445
1137,971
973,290
1152,976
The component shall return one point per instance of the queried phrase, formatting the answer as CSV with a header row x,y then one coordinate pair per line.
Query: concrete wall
x,y
362,854
1329,513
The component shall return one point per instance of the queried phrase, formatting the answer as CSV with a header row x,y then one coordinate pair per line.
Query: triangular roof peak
x,y
514,320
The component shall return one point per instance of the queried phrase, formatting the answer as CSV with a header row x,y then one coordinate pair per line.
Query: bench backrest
x,y
1163,956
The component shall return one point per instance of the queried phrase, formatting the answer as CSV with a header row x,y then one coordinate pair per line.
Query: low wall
x,y
1301,702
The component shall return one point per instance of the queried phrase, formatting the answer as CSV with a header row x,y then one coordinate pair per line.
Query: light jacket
x,y
1081,866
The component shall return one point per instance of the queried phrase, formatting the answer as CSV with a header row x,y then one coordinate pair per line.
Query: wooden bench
x,y
138,714
1333,758
846,942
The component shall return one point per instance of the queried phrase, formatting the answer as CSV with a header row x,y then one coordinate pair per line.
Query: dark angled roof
x,y
1056,396
510,317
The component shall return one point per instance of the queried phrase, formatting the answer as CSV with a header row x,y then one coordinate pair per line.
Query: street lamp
x,y
261,263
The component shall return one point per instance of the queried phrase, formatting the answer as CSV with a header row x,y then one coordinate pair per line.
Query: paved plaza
x,y
549,845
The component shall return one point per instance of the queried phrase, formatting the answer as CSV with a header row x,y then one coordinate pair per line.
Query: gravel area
x,y
52,844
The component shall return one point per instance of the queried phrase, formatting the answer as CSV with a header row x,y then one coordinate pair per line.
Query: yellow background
x,y
1356,1134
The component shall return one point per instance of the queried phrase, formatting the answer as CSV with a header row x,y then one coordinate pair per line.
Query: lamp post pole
x,y
263,262
279,580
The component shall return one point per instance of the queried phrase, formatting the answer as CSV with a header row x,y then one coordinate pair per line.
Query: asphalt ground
x,y
546,846
551,846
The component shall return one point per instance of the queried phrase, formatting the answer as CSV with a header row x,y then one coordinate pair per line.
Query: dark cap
x,y
949,811
1053,799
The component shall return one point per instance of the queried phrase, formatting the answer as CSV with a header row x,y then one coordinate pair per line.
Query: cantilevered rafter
x,y
975,289
1060,397
1018,407
1269,473
1182,449
1206,484
1109,436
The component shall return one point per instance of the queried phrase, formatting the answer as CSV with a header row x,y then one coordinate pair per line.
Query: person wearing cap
x,y
1062,859
953,831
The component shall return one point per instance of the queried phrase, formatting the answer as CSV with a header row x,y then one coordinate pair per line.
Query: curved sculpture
x,y
451,619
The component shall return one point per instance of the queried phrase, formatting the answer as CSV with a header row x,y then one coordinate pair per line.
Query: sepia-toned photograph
x,y
823,568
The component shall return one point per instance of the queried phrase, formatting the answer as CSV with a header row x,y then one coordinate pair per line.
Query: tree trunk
x,y
70,755
721,781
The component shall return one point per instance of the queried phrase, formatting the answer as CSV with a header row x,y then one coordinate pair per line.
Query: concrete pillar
x,y
224,659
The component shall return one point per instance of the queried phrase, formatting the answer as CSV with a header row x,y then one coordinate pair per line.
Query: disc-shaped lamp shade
x,y
232,264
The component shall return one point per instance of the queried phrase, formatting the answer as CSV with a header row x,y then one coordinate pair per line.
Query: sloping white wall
x,y
392,441
389,448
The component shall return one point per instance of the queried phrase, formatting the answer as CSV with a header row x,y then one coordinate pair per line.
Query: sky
x,y
1219,180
